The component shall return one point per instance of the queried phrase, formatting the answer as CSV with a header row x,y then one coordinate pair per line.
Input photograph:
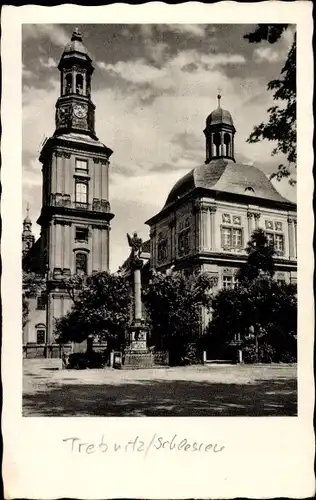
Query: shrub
x,y
84,360
191,355
249,354
288,357
266,353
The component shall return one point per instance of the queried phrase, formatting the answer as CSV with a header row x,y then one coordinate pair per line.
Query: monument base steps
x,y
138,359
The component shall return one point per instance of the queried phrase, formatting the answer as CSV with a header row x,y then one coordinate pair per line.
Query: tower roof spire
x,y
219,96
27,219
76,35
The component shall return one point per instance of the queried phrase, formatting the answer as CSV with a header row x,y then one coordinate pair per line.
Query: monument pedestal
x,y
137,355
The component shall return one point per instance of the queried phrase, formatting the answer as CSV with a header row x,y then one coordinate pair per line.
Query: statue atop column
x,y
137,353
136,245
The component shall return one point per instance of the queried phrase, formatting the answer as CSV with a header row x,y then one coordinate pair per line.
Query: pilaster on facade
x,y
152,236
292,235
173,242
295,237
253,221
205,224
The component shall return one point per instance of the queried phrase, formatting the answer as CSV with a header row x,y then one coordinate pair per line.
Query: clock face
x,y
80,111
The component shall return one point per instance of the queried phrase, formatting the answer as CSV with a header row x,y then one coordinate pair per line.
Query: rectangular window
x,y
82,234
162,251
231,238
40,337
230,281
81,193
227,282
237,238
81,263
81,166
226,237
270,239
278,243
184,242
41,301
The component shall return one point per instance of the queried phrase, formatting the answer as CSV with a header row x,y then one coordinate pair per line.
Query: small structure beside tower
x,y
28,238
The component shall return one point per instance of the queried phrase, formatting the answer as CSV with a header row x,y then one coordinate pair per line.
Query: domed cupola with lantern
x,y
219,133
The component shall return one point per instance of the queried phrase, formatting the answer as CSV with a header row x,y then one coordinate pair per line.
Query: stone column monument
x,y
137,353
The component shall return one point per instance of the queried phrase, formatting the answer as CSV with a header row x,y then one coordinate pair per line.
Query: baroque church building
x,y
212,211
76,214
205,224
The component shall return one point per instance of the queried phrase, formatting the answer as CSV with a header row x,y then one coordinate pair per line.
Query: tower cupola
x,y
219,133
74,108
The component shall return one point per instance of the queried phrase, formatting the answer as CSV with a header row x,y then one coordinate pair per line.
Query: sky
x,y
153,87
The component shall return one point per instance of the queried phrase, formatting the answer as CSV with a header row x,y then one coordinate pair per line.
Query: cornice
x,y
49,211
56,143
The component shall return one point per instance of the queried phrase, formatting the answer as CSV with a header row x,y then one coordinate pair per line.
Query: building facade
x,y
212,211
76,214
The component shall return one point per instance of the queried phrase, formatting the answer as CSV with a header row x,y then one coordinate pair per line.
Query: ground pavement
x,y
230,390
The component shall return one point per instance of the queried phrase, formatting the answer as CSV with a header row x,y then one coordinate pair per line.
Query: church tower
x,y
75,216
219,133
28,237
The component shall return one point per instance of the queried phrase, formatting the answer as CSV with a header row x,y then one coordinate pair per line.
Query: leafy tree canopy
x,y
281,126
260,257
263,303
100,309
173,301
32,284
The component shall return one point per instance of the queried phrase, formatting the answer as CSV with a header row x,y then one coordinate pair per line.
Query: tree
x,y
174,303
100,309
260,257
73,284
281,126
32,285
265,305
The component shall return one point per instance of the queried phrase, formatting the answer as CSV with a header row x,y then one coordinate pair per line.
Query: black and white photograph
x,y
157,195
159,231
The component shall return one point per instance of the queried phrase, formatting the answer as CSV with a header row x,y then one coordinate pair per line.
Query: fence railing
x,y
32,351
64,200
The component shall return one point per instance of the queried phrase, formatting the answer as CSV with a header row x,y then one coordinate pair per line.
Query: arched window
x,y
79,84
68,83
81,262
217,141
81,193
40,333
227,143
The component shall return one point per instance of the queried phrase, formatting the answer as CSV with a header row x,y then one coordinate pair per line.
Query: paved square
x,y
230,390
